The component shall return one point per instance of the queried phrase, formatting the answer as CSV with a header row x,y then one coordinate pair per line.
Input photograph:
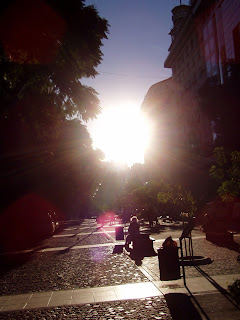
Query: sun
x,y
122,134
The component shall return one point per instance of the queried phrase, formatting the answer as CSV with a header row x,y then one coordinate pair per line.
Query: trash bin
x,y
169,265
119,233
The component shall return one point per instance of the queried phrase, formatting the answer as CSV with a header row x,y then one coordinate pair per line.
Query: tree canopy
x,y
226,171
156,198
46,48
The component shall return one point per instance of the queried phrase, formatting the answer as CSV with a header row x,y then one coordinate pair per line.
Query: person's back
x,y
133,231
134,227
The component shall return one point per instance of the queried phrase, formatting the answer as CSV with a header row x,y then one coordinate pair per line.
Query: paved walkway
x,y
197,287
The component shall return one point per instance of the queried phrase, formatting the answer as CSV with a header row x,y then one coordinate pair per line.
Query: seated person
x,y
133,231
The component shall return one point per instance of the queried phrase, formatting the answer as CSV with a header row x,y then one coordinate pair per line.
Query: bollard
x,y
119,233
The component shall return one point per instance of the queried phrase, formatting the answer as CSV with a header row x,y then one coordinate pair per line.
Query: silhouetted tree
x,y
156,198
69,175
176,200
42,63
108,185
226,171
46,47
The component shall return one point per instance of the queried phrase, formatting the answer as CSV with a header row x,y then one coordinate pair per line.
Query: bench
x,y
219,237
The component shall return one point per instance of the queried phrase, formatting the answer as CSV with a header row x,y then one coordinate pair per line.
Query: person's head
x,y
134,219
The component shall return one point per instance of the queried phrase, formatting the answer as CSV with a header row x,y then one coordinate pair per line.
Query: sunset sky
x,y
134,55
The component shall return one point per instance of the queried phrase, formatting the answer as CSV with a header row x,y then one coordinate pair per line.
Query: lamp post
x,y
98,196
100,190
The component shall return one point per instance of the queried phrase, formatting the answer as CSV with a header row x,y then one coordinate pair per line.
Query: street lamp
x,y
100,187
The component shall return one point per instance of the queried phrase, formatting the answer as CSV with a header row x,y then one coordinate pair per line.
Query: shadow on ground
x,y
139,256
13,261
231,245
181,307
221,290
78,240
15,256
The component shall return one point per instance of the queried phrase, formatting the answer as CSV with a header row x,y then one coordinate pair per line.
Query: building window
x,y
210,48
214,134
193,140
236,40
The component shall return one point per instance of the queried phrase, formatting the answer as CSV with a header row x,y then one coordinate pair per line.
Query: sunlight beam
x,y
122,134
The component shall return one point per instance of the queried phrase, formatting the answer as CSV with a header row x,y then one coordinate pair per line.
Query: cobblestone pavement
x,y
149,308
224,260
94,267
74,227
68,269
75,230
78,240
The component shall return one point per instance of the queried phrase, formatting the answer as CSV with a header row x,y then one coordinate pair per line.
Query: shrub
x,y
235,290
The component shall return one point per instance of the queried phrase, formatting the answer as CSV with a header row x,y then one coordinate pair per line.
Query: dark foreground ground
x,y
98,266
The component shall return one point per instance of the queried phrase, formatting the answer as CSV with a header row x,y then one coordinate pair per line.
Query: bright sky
x,y
133,60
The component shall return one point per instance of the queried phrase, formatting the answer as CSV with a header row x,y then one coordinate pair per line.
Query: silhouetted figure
x,y
133,231
111,219
208,224
150,219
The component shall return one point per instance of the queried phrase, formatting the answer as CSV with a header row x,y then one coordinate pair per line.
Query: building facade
x,y
205,41
205,38
179,141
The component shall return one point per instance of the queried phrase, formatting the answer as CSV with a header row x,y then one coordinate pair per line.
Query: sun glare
x,y
122,134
